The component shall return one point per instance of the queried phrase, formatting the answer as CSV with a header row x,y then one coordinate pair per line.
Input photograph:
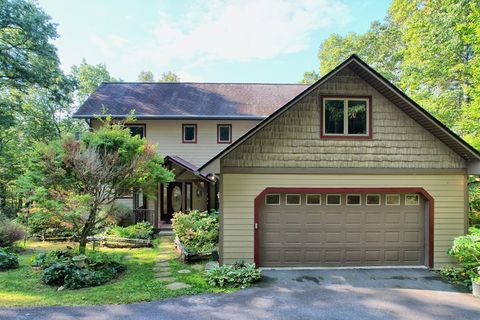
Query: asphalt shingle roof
x,y
184,100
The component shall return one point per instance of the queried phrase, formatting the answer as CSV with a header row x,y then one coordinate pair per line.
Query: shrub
x,y
240,274
10,232
44,224
60,270
8,260
141,230
198,231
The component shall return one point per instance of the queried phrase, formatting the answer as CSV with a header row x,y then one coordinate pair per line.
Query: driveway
x,y
299,294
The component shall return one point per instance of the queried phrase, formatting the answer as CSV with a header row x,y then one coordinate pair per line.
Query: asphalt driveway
x,y
299,294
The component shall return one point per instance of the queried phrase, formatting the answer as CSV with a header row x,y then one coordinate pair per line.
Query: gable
x,y
292,139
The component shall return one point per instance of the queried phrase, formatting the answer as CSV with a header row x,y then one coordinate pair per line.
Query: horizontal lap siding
x,y
240,190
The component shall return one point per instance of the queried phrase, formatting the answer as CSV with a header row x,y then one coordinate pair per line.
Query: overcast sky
x,y
208,41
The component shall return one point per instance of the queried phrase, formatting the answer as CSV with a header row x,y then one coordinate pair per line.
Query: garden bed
x,y
117,242
194,256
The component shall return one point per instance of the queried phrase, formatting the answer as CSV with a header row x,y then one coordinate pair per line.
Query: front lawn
x,y
23,286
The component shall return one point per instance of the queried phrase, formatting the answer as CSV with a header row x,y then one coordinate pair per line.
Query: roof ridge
x,y
192,82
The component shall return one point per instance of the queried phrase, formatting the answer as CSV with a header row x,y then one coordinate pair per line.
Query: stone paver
x,y
184,271
163,274
163,264
166,279
198,267
177,286
211,265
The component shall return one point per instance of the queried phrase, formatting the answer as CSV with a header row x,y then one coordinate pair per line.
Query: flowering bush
x,y
198,231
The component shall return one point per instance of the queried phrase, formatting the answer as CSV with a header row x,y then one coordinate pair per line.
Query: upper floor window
x,y
189,134
346,117
224,133
137,129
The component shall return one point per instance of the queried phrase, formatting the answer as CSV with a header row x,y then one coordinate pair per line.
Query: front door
x,y
174,200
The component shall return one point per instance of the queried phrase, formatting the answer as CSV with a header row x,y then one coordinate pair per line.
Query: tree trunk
x,y
89,224
83,244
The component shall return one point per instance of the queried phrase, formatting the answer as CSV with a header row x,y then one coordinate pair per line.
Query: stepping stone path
x,y
183,271
177,286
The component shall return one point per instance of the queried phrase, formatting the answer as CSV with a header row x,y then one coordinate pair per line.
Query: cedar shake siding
x,y
293,139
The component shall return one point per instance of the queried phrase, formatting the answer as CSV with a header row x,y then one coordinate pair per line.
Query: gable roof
x,y
186,165
174,100
387,89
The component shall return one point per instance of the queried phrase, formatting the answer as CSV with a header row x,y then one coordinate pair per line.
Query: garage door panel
x,y
341,235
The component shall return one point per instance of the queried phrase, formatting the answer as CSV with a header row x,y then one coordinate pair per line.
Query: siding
x,y
167,135
293,139
239,191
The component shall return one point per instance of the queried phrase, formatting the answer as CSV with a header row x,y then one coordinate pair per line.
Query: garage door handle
x,y
255,226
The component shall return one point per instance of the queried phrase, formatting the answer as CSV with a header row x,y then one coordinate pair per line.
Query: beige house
x,y
346,172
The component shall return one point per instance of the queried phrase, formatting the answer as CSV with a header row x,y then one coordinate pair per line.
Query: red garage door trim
x,y
261,196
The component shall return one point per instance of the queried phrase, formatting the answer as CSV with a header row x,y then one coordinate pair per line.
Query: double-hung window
x,y
346,117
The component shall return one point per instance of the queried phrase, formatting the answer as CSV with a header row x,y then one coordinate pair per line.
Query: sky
x,y
264,41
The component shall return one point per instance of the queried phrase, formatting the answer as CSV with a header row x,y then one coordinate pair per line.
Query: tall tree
x,y
169,76
145,76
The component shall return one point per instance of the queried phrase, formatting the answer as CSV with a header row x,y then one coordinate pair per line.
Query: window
x,y
313,199
346,117
137,129
412,200
373,200
224,133
392,199
189,133
272,199
354,200
293,199
334,199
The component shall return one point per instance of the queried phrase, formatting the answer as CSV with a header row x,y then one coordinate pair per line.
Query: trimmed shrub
x,y
141,230
198,231
240,274
8,260
10,232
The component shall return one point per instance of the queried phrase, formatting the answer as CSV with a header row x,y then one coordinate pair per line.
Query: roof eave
x,y
173,117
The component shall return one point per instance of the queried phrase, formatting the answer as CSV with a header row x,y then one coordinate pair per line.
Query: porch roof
x,y
187,166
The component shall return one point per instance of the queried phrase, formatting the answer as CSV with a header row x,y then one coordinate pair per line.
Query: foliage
x,y
169,76
8,260
10,232
79,180
145,76
44,224
240,274
427,48
474,200
140,230
59,269
198,231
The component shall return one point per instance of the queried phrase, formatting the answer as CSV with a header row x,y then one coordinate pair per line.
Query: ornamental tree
x,y
80,179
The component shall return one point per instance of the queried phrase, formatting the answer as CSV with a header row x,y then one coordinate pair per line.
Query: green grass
x,y
23,286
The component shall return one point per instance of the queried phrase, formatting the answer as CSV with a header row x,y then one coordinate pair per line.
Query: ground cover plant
x,y
8,260
198,231
239,274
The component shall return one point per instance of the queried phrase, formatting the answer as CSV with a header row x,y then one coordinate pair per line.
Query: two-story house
x,y
346,172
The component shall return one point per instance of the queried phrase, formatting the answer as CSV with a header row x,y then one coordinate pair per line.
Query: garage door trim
x,y
261,196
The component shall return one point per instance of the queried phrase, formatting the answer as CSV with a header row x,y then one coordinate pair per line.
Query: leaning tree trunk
x,y
87,228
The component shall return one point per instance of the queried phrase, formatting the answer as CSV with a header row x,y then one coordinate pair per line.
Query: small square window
x,y
313,199
334,199
189,133
373,200
224,133
272,199
354,200
392,199
293,199
412,199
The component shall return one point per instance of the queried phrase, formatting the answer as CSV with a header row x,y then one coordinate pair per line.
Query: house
x,y
346,172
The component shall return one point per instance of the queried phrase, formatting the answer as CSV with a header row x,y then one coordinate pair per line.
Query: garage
x,y
336,229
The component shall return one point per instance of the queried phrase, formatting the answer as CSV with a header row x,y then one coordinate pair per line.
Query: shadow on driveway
x,y
297,294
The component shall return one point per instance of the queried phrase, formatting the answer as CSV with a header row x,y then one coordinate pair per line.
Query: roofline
x,y
326,77
194,172
169,117
226,83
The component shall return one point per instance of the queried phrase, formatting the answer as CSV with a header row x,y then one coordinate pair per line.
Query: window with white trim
x,y
345,116
354,200
334,199
373,200
412,199
392,199
314,199
272,199
293,199
224,133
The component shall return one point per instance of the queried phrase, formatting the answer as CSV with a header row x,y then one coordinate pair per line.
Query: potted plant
x,y
79,261
476,286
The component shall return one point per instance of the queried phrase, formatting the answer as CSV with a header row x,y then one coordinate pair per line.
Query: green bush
x,y
10,232
44,224
198,231
141,230
60,270
240,274
8,260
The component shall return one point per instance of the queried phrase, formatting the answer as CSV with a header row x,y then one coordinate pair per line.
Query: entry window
x,y
412,199
188,196
136,130
373,200
345,117
392,199
293,199
313,199
224,133
334,199
354,200
272,199
189,133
